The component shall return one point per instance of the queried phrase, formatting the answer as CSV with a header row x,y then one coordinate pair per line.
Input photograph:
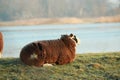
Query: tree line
x,y
27,9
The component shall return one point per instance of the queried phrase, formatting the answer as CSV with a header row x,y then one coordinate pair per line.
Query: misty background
x,y
29,9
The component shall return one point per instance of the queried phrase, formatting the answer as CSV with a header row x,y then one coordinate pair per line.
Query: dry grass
x,y
61,21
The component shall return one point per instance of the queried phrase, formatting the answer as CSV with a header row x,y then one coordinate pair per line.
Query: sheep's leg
x,y
47,64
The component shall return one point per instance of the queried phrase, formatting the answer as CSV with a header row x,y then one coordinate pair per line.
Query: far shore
x,y
65,20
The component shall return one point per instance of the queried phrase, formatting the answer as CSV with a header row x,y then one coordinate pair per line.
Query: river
x,y
95,37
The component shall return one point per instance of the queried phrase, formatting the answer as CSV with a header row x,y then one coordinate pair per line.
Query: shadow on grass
x,y
10,61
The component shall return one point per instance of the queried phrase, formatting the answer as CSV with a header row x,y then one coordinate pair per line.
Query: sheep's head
x,y
73,37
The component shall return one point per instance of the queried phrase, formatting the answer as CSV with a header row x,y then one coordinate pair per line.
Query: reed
x,y
72,20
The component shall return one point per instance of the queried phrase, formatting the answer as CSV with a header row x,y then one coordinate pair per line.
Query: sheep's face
x,y
73,37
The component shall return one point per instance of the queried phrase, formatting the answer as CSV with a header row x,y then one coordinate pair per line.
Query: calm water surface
x,y
97,37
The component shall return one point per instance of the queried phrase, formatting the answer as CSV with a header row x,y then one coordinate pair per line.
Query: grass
x,y
103,66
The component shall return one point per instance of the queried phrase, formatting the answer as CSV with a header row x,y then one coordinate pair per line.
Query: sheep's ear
x,y
62,35
71,35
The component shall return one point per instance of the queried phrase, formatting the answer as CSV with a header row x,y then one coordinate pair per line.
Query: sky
x,y
114,1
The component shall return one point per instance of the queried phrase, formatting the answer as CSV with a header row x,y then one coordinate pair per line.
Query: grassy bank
x,y
72,20
103,66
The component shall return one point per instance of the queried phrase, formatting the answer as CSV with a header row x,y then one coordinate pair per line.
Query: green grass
x,y
103,66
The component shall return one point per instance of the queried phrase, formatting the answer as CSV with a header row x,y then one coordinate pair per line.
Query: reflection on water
x,y
94,37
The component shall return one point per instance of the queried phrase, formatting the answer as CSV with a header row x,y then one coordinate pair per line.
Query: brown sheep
x,y
1,44
59,51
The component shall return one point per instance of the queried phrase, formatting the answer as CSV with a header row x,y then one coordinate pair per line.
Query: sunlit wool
x,y
60,51
1,44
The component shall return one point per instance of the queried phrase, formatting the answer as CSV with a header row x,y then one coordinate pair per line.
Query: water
x,y
97,37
